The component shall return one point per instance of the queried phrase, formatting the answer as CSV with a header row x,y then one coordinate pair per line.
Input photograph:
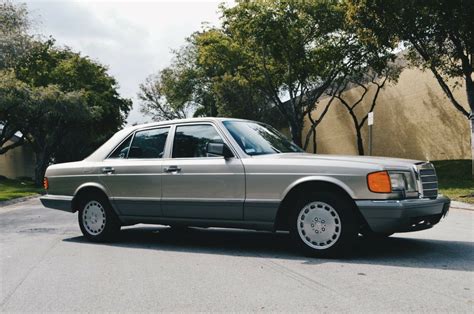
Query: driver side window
x,y
191,140
121,151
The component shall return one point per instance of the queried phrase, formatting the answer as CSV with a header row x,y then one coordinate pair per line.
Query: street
x,y
46,265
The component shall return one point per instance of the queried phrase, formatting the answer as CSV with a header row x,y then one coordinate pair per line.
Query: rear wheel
x,y
97,220
324,225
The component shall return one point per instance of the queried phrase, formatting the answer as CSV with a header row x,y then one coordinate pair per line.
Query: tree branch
x,y
419,48
20,142
315,123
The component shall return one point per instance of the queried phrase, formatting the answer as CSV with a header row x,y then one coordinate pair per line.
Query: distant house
x,y
17,162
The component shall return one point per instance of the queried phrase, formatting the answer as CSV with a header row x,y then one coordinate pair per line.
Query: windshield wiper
x,y
276,150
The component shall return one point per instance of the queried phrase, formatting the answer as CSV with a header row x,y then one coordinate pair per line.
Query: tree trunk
x,y
40,167
315,143
296,133
470,101
360,143
472,143
470,93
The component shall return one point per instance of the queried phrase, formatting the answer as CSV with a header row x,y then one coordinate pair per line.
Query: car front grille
x,y
429,181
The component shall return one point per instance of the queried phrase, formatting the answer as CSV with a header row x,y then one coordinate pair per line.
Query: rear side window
x,y
191,140
122,150
149,143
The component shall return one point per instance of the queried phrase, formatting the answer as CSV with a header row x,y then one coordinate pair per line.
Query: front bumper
x,y
60,202
390,216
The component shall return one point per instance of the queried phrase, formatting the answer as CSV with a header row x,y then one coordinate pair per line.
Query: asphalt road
x,y
46,265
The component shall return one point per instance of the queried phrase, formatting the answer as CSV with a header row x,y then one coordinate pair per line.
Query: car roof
x,y
176,121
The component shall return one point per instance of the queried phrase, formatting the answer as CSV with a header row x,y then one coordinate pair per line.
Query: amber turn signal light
x,y
45,183
379,182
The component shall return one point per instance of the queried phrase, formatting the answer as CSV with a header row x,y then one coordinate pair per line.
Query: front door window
x,y
191,140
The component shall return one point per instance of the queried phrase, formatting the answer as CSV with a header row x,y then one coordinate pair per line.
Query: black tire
x,y
90,204
342,224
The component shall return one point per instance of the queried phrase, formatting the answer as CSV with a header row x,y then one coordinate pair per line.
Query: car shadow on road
x,y
393,251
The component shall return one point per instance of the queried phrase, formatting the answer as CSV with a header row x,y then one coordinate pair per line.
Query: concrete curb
x,y
18,200
461,205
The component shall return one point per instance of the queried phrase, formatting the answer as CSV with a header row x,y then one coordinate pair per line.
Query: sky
x,y
133,38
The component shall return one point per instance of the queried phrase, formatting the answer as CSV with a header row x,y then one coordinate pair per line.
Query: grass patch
x,y
10,189
455,179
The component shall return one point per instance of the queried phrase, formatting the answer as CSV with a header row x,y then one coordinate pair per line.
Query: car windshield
x,y
259,139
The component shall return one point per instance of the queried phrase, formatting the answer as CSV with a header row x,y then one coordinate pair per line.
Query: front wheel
x,y
97,220
324,225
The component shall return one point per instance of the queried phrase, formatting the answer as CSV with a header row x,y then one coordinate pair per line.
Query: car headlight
x,y
402,180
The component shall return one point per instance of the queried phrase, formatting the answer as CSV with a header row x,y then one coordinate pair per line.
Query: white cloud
x,y
133,38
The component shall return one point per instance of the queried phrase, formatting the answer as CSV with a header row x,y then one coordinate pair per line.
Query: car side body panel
x,y
135,186
204,188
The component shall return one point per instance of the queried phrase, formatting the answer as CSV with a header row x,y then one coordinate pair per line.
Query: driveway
x,y
46,265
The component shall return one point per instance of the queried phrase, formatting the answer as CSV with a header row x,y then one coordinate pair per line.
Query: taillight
x,y
45,183
379,182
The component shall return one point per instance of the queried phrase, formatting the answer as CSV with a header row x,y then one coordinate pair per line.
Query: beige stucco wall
x,y
17,162
413,119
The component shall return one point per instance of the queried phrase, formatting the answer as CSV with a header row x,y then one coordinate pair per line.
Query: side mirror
x,y
219,149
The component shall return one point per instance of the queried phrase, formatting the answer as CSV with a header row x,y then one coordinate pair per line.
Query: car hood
x,y
387,162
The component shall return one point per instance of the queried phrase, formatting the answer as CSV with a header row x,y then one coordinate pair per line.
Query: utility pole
x,y
370,122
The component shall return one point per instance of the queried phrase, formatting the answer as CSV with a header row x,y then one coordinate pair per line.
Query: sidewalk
x,y
461,205
18,200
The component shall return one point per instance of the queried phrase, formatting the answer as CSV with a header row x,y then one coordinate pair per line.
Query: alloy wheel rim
x,y
93,217
319,225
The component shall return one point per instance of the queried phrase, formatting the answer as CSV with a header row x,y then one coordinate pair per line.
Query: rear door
x,y
198,185
133,174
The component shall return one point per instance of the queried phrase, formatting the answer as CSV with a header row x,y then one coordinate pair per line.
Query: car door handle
x,y
108,170
172,169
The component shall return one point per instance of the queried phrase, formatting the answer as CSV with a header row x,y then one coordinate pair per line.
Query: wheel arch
x,y
87,188
319,179
305,185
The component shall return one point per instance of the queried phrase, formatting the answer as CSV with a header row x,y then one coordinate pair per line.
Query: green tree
x,y
439,36
61,103
291,52
15,97
47,65
236,97
268,61
55,116
185,89
284,49
14,44
14,38
64,104
46,117
177,91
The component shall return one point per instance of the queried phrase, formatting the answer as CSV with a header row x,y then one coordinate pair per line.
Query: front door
x,y
133,174
197,185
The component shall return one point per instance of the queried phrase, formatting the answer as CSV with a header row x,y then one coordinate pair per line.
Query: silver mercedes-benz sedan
x,y
219,172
